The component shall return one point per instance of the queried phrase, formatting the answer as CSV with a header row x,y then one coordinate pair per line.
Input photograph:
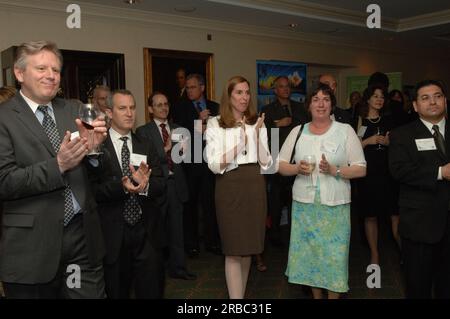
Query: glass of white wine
x,y
311,161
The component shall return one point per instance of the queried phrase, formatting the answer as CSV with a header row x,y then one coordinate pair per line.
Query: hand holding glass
x,y
88,114
311,161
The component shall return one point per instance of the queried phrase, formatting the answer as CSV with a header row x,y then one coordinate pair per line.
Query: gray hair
x,y
34,47
99,88
198,77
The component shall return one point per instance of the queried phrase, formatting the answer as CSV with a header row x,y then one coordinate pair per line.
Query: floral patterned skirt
x,y
319,245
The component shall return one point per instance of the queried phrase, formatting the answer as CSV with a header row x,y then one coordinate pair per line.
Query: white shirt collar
x,y
158,123
441,125
33,105
115,136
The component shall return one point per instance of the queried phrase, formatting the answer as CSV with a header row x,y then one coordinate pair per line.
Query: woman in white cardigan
x,y
320,231
237,152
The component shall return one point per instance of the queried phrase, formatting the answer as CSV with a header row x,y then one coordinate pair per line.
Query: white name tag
x,y
329,147
136,159
362,130
74,135
177,137
425,144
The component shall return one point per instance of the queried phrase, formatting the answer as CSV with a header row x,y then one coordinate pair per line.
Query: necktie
x,y
439,139
53,135
165,135
198,106
132,211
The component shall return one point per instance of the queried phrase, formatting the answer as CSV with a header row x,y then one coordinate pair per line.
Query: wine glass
x,y
379,132
311,161
88,114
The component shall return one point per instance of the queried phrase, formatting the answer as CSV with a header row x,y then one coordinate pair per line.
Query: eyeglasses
x,y
159,105
429,98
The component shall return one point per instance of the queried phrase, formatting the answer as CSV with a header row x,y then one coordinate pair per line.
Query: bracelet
x,y
338,172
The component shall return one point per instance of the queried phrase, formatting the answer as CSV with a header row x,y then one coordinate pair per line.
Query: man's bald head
x,y
329,80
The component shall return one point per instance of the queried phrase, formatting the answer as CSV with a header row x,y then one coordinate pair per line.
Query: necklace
x,y
376,121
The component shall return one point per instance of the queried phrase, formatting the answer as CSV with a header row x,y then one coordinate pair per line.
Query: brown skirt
x,y
241,210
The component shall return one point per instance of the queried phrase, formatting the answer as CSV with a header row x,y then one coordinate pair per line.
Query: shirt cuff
x,y
145,191
440,173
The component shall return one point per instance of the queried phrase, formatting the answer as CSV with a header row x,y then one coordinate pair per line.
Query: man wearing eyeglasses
x,y
164,136
419,159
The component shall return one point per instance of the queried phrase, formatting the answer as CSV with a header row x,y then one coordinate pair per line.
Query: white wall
x,y
235,48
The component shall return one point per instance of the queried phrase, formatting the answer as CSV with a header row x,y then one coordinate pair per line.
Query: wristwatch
x,y
338,172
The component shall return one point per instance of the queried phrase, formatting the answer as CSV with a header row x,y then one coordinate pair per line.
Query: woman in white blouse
x,y
320,231
237,152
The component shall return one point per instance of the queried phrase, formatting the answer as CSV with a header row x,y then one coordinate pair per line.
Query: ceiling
x,y
403,22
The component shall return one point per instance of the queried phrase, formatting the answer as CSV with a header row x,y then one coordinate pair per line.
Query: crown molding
x,y
98,13
311,10
424,21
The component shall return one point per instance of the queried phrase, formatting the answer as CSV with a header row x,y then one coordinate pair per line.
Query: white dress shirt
x,y
220,141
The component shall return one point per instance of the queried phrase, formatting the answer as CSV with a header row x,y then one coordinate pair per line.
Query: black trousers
x,y
427,268
140,266
74,252
201,183
175,209
279,195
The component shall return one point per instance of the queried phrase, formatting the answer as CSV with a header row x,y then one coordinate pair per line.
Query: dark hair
x,y
424,83
325,90
378,78
150,98
368,92
393,93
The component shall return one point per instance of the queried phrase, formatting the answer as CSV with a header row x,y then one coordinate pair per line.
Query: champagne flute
x,y
88,114
311,161
379,132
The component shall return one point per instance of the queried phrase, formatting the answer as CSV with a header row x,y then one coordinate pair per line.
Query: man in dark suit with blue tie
x,y
193,114
419,156
128,193
52,245
165,136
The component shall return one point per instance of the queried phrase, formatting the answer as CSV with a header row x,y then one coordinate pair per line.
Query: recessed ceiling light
x,y
185,9
293,25
131,1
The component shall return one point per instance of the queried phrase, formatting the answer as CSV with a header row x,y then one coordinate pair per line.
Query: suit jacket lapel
x,y
112,155
156,136
32,123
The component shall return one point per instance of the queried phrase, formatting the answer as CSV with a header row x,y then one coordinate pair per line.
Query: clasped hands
x,y
72,151
139,179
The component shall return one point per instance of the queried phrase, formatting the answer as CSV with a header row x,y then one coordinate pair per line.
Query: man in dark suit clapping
x,y
51,229
128,193
159,132
419,156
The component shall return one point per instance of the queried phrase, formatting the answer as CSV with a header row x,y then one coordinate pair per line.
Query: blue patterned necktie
x,y
198,106
132,211
53,135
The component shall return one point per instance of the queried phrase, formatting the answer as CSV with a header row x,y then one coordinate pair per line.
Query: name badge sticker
x,y
136,159
425,144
